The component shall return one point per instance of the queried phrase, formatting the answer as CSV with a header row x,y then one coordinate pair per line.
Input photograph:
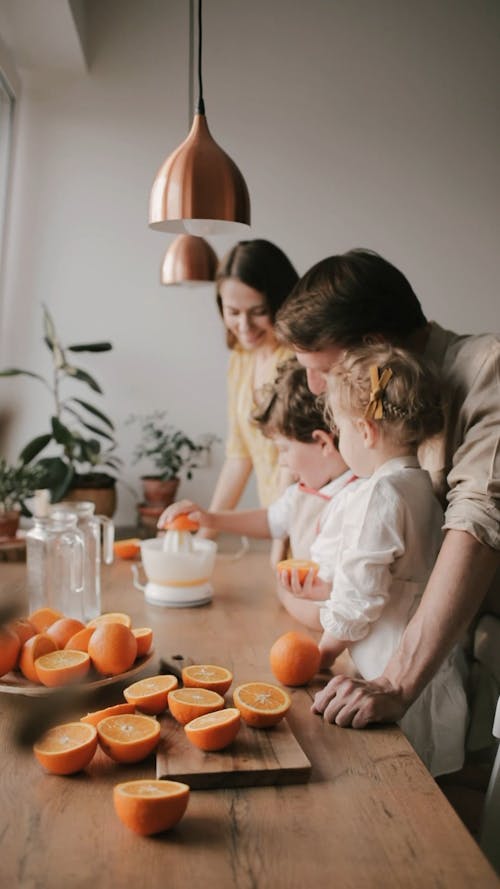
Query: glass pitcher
x,y
54,562
90,525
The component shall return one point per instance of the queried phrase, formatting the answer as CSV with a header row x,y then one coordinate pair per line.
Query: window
x,y
6,121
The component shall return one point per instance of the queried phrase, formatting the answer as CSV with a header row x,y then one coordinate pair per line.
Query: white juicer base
x,y
177,597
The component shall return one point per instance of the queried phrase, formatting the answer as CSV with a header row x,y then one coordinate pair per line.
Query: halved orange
x,y
32,649
127,549
151,695
66,749
43,618
63,629
214,731
302,566
62,667
129,737
207,676
144,637
80,641
261,704
186,704
150,806
95,717
111,617
182,523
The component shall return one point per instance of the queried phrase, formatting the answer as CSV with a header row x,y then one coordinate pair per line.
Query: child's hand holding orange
x,y
191,511
299,577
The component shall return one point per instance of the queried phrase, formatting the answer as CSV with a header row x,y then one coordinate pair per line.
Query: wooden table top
x,y
370,816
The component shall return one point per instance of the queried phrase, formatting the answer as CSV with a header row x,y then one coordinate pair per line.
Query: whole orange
x,y
10,647
294,658
112,648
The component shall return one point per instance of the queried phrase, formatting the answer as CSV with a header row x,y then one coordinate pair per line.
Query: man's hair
x,y
344,299
288,407
264,267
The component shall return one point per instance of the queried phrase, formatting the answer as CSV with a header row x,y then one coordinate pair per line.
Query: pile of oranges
x,y
51,649
129,731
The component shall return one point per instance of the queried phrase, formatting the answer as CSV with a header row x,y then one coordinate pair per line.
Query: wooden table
x,y
370,816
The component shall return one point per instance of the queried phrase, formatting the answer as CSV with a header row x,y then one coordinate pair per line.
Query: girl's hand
x,y
311,588
185,507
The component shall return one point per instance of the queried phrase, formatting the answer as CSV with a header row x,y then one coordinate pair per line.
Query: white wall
x,y
355,123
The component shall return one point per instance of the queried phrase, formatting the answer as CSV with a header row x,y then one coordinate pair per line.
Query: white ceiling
x,y
45,35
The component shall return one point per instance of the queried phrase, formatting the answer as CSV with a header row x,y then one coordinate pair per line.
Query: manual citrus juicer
x,y
178,566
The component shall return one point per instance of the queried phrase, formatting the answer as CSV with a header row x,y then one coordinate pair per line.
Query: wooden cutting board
x,y
257,757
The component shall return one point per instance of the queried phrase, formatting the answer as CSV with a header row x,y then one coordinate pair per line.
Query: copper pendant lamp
x,y
189,260
198,188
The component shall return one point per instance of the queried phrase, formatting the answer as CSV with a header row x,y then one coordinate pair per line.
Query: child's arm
x,y
312,587
252,522
330,648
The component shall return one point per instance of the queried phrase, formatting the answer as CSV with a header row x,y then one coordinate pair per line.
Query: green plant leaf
x,y
33,448
95,411
82,375
15,371
61,433
91,347
49,329
58,476
97,431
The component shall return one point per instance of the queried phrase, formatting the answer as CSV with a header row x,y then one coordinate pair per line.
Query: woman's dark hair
x,y
264,267
288,407
343,299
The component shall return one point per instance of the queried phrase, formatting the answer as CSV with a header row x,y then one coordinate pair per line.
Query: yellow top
x,y
245,438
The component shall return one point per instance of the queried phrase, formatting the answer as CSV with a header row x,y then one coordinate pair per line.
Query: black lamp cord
x,y
200,108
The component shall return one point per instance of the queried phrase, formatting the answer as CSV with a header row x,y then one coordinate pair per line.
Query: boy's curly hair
x,y
288,407
412,402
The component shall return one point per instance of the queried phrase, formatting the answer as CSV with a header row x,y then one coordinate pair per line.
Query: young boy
x,y
293,417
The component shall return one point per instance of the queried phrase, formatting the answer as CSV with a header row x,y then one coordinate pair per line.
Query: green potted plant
x,y
86,465
18,482
171,453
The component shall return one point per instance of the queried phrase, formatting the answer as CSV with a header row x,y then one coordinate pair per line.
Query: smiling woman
x,y
253,281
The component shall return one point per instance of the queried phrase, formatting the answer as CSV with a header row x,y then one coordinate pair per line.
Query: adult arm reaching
x,y
460,579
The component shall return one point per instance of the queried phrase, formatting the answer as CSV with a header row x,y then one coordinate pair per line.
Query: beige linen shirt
x,y
464,463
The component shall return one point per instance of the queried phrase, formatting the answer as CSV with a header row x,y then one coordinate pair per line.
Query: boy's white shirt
x,y
281,513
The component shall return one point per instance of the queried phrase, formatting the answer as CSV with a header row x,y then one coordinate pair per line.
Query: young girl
x,y
289,414
379,543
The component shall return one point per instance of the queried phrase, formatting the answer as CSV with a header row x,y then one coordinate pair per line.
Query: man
x,y
349,299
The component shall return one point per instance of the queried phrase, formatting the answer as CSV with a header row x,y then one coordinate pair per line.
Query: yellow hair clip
x,y
378,382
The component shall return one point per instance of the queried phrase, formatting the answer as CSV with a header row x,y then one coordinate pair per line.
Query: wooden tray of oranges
x,y
258,745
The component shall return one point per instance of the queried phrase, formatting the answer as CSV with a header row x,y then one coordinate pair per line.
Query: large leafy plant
x,y
169,450
72,419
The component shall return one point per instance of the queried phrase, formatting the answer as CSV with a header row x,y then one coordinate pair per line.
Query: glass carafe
x,y
90,525
54,562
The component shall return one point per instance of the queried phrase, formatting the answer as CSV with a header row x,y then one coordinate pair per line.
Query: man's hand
x,y
356,702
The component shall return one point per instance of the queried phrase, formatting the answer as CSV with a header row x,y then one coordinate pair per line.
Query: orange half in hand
x,y
302,566
181,523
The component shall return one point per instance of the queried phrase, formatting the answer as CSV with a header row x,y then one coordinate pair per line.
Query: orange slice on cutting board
x,y
186,704
207,676
151,695
261,704
214,731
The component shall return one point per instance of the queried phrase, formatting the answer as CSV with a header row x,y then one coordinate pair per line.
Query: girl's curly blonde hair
x,y
411,401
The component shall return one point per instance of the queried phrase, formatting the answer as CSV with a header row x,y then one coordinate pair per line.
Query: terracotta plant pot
x,y
158,492
9,523
97,487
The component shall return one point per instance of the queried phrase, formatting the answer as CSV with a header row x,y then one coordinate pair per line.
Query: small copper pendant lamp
x,y
198,188
189,260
